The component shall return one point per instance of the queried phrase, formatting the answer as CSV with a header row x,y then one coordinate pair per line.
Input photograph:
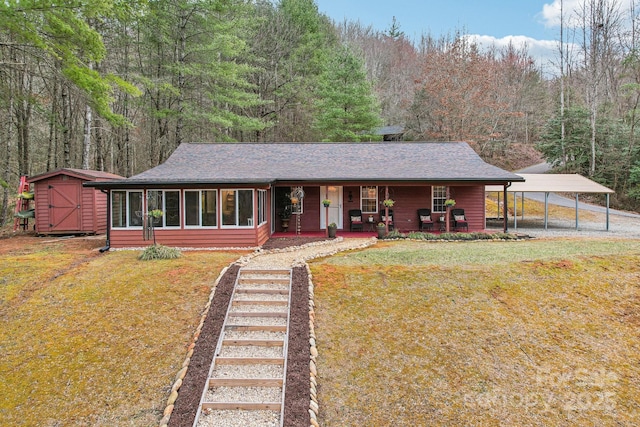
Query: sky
x,y
534,22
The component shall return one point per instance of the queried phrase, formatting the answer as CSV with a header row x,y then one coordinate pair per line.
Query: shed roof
x,y
553,183
83,174
254,163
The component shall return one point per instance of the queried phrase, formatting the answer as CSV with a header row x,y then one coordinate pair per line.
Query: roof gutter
x,y
107,246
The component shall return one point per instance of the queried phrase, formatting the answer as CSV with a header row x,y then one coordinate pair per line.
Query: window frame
x,y
163,208
127,209
262,207
250,219
438,196
374,198
200,212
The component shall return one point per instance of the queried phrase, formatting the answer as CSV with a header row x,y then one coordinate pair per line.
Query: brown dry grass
x,y
92,339
535,209
526,333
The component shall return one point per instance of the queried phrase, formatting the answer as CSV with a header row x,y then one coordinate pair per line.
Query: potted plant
x,y
285,216
332,230
449,203
381,229
156,214
326,203
388,203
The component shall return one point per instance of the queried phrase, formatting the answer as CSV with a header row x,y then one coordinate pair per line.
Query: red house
x,y
232,194
64,206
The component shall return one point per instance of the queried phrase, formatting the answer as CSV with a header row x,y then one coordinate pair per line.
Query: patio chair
x,y
424,219
458,219
355,218
383,218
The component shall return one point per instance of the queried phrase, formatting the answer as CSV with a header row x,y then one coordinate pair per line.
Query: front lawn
x,y
541,332
91,339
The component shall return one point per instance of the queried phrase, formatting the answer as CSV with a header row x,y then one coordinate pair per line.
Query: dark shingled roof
x,y
76,173
256,163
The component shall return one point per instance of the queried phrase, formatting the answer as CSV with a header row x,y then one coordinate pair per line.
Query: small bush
x,y
418,235
159,252
395,234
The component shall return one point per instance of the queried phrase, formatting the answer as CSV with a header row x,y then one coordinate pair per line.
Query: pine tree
x,y
347,108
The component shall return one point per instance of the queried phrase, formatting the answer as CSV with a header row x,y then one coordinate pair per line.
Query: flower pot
x,y
285,224
326,205
382,231
332,232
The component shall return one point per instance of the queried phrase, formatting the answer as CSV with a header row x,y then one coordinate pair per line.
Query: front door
x,y
333,193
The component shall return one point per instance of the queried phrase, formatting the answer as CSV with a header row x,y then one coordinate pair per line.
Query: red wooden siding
x,y
472,200
63,206
192,238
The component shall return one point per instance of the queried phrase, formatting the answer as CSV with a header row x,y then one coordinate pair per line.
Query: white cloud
x,y
544,52
550,15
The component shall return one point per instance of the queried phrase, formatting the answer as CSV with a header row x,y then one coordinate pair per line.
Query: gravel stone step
x,y
228,418
248,371
244,394
250,351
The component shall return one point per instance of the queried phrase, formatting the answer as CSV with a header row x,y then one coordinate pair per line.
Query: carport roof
x,y
553,183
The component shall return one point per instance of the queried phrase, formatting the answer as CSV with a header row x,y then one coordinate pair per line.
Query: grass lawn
x,y
541,332
96,339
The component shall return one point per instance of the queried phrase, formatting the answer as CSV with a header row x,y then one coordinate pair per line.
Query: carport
x,y
551,183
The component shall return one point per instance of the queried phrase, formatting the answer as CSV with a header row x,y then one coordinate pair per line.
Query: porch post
x,y
326,212
386,210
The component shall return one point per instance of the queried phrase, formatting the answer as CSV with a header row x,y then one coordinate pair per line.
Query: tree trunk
x,y
86,141
66,138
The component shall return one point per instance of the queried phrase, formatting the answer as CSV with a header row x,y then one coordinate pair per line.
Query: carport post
x,y
607,196
515,210
505,208
576,211
546,209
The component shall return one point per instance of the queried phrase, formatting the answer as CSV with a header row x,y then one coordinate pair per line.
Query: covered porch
x,y
365,200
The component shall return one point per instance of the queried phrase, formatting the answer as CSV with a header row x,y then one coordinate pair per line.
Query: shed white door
x,y
333,193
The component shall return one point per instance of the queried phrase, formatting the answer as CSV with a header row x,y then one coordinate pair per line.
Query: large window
x,y
169,203
237,208
200,208
369,199
126,209
262,206
439,194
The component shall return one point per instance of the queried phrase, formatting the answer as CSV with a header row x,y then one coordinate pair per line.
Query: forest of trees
x,y
117,85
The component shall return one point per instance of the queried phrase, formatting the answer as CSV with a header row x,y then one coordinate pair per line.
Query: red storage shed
x,y
64,206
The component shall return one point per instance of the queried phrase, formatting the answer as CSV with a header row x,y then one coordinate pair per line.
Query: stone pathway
x,y
298,255
247,379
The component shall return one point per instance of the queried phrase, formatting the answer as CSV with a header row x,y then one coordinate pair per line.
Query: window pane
x,y
191,208
439,196
245,207
209,208
228,207
369,199
154,201
262,206
118,208
172,209
135,208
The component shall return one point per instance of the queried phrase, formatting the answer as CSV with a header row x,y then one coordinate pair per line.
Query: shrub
x,y
159,252
418,235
